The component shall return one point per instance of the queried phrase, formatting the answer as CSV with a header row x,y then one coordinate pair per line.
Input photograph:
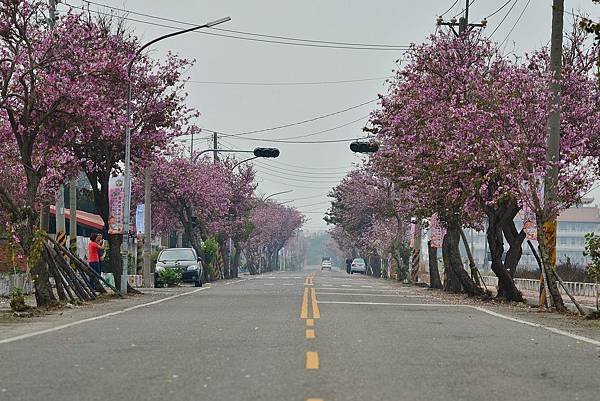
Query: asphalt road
x,y
299,336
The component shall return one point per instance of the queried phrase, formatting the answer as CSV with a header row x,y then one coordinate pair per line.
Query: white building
x,y
573,224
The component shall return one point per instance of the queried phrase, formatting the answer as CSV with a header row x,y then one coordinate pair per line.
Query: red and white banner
x,y
436,232
116,199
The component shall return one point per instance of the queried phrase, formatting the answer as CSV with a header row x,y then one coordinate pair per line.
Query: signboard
x,y
116,201
413,233
436,232
529,223
139,219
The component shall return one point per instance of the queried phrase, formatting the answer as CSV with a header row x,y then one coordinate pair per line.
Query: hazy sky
x,y
310,170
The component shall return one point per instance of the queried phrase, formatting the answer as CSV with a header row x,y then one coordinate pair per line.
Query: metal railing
x,y
576,288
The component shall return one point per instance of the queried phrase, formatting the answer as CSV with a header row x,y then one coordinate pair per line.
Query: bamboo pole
x,y
75,259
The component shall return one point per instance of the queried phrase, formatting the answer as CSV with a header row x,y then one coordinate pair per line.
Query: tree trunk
x,y
44,295
496,243
451,283
515,250
115,265
434,273
452,240
235,266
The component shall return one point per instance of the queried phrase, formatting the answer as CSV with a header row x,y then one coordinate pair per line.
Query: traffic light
x,y
266,152
364,147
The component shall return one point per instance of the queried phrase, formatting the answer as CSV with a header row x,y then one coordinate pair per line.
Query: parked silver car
x,y
358,266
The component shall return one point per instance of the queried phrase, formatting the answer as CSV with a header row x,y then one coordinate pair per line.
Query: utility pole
x,y
463,22
60,209
147,276
553,153
192,147
215,147
73,214
45,209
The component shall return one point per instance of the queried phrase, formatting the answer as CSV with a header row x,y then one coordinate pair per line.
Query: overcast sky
x,y
310,170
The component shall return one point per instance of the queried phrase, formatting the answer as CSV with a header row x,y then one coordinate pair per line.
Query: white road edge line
x,y
381,303
372,295
483,310
91,319
542,326
235,282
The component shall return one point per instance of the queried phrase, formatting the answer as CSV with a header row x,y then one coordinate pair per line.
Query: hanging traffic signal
x,y
364,147
266,152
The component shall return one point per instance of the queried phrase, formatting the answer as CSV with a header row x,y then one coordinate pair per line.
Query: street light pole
x,y
127,208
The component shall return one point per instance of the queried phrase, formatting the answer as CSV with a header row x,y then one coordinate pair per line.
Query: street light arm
x,y
243,161
170,35
277,193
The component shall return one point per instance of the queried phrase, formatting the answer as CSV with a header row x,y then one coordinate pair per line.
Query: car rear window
x,y
177,254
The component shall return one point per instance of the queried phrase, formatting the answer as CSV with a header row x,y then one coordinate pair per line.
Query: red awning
x,y
83,218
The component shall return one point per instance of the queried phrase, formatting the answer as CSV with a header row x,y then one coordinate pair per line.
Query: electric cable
x,y
280,170
515,24
304,44
464,9
315,176
498,10
504,19
242,32
289,83
309,120
449,8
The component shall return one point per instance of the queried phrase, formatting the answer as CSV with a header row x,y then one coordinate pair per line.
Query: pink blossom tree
x,y
188,196
46,90
464,127
273,225
159,115
370,216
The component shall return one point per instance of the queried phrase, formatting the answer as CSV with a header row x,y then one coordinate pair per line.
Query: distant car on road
x,y
183,260
326,264
358,266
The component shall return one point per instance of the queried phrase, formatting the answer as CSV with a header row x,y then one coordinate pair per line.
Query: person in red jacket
x,y
94,249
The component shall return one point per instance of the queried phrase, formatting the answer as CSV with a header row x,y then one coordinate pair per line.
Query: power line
x,y
449,8
311,168
304,43
289,139
244,32
292,185
293,179
273,164
396,47
504,19
307,175
288,83
498,10
463,10
516,22
356,138
282,170
239,134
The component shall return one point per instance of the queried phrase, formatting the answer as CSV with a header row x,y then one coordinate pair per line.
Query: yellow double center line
x,y
309,311
304,310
